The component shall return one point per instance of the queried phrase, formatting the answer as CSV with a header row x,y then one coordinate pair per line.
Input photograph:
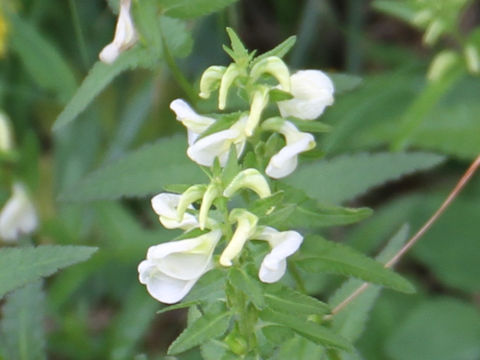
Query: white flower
x,y
125,35
205,150
249,179
171,269
246,226
283,244
210,80
6,142
18,216
285,161
312,92
165,205
195,124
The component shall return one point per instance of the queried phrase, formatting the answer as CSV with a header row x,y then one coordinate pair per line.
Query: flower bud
x,y
274,66
249,179
125,35
246,226
6,142
441,64
210,80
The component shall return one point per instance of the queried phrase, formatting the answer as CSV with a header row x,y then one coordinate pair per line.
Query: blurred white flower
x,y
165,205
125,35
283,244
312,92
246,227
285,161
18,216
205,150
6,142
195,124
171,269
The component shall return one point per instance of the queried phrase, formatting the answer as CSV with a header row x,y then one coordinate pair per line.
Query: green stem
x,y
78,32
177,73
297,277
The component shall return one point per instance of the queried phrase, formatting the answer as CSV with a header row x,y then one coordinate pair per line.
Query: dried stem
x,y
453,194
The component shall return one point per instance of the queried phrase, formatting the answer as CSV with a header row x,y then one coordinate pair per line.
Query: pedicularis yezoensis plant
x,y
239,229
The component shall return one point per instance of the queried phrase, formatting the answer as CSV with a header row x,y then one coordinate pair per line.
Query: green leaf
x,y
308,329
252,289
310,126
350,322
22,333
442,329
209,288
188,9
98,78
19,266
285,300
209,326
181,305
280,50
345,82
238,48
141,172
346,177
299,348
41,59
330,257
214,350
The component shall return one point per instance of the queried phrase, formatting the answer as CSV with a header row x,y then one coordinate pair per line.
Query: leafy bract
x,y
187,9
141,172
327,256
346,177
19,266
22,334
207,327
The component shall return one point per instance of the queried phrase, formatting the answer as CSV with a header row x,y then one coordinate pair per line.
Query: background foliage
x,y
114,143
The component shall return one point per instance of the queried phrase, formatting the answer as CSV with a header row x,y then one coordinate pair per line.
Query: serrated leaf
x,y
308,329
238,48
141,172
41,59
252,289
350,322
188,9
209,326
19,266
280,50
346,177
97,79
327,256
286,300
22,333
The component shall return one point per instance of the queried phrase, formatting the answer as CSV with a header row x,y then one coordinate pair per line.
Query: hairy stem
x,y
453,194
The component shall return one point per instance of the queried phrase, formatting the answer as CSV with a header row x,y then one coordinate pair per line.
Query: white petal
x,y
195,124
285,161
269,276
205,150
312,91
18,216
162,287
165,205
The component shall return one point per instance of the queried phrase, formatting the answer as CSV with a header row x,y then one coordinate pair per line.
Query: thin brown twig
x,y
453,194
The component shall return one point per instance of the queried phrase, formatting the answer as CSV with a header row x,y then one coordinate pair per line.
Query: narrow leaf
x,y
252,289
280,50
286,300
327,256
346,177
141,172
307,329
188,9
205,328
19,266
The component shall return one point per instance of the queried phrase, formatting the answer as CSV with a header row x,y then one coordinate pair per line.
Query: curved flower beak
x,y
18,216
233,71
259,102
283,244
195,124
274,66
285,161
246,226
249,179
210,80
125,35
6,141
205,150
171,269
165,205
312,92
